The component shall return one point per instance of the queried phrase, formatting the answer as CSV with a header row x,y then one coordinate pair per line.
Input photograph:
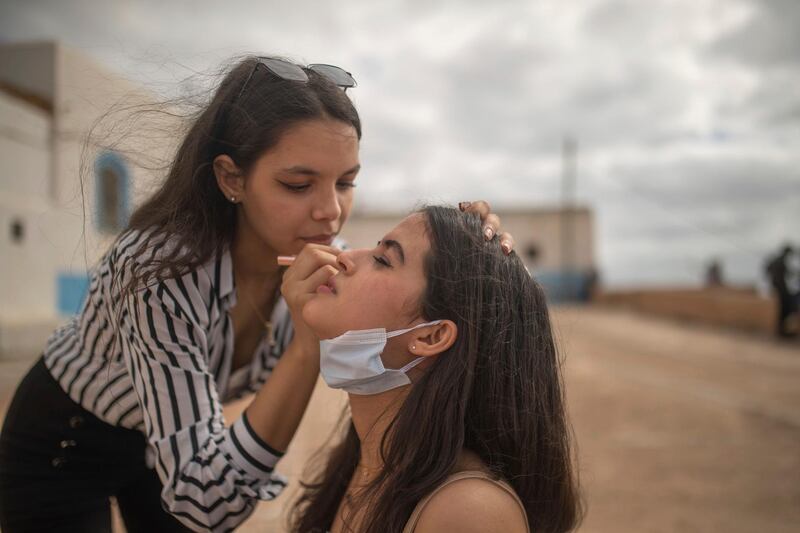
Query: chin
x,y
317,316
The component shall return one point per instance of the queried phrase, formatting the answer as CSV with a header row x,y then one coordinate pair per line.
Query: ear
x,y
433,340
229,178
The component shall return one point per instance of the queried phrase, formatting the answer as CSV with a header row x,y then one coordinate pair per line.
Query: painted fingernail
x,y
488,232
464,205
506,246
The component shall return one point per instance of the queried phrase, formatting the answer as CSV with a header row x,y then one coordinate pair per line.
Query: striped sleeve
x,y
212,476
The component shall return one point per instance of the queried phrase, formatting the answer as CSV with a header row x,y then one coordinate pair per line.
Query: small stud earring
x,y
413,347
233,199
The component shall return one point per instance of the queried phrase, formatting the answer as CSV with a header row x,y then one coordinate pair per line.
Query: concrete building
x,y
556,244
62,199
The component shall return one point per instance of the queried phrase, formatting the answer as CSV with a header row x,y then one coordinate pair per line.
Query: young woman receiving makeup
x,y
456,408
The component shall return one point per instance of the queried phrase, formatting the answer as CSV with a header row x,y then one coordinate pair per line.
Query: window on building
x,y
111,175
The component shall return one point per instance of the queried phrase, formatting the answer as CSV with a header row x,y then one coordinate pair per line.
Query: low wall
x,y
25,339
730,307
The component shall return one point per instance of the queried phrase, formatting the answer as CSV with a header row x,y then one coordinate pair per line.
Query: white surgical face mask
x,y
352,361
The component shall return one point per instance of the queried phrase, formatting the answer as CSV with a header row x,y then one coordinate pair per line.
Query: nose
x,y
326,205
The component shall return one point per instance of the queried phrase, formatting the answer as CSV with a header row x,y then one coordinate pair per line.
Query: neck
x,y
371,417
252,259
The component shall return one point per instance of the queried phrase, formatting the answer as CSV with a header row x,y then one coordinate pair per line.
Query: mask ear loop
x,y
412,328
411,365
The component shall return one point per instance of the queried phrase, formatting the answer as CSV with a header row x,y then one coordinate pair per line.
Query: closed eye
x,y
382,261
295,188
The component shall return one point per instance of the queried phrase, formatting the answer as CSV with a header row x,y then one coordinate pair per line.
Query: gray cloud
x,y
685,112
768,38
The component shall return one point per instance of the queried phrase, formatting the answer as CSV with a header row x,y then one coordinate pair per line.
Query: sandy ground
x,y
680,428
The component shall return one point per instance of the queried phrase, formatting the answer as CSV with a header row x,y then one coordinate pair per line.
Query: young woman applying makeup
x,y
188,309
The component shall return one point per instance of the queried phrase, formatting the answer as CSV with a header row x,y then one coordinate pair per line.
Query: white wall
x,y
543,229
91,99
27,270
47,176
85,97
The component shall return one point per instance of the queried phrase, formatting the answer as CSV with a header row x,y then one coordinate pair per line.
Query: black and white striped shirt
x,y
159,361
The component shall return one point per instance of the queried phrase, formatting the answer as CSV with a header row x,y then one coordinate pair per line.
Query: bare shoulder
x,y
472,505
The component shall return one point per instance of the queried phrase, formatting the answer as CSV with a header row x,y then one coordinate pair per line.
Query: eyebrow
x,y
391,243
308,171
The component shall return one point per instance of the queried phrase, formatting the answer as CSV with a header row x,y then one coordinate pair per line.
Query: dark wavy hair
x,y
189,207
497,391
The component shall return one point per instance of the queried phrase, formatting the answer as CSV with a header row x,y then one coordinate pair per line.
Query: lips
x,y
327,288
326,238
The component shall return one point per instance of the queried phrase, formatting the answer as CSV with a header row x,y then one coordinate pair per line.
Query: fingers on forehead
x,y
492,220
506,237
481,207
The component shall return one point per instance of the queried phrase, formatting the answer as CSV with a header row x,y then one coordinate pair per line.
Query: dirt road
x,y
680,428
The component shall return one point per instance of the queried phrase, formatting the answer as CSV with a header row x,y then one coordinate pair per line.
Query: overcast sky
x,y
686,112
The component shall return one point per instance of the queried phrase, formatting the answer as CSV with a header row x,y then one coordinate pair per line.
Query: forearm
x,y
278,406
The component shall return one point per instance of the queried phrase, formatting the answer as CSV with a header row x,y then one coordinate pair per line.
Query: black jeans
x,y
60,464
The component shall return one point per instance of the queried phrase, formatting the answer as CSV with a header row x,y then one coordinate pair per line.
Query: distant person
x,y
778,270
591,285
714,276
796,296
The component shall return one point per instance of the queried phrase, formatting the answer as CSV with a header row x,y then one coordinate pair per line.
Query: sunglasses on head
x,y
289,71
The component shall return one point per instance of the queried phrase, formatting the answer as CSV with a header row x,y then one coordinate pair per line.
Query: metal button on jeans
x,y
68,443
75,422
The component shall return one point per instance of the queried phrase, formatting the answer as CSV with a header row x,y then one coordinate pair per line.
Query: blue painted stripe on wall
x,y
71,289
564,285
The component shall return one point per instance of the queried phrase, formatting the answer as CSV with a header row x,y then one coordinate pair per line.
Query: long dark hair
x,y
497,392
189,208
